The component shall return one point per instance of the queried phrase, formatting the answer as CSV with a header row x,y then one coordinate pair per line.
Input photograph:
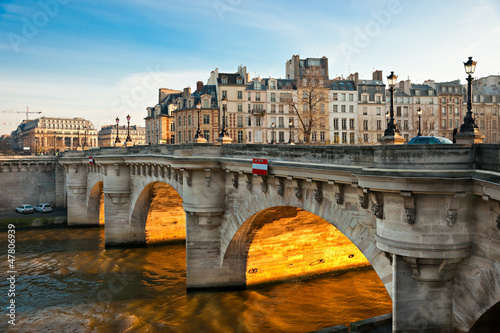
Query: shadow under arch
x,y
489,321
158,216
286,243
95,205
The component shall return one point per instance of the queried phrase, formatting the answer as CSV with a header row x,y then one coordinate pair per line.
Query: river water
x,y
68,282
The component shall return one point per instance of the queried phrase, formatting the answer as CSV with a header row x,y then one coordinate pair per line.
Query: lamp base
x,y
395,139
200,139
469,138
224,140
128,143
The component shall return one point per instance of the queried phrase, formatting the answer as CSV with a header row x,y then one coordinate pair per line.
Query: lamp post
x,y
78,142
36,146
128,130
419,112
55,143
387,118
224,107
391,127
117,140
290,124
273,125
198,132
85,138
468,125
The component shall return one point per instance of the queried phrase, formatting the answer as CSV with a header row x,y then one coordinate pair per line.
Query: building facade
x,y
107,135
50,134
486,106
160,124
343,112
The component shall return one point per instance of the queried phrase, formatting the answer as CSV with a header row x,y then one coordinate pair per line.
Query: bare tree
x,y
312,95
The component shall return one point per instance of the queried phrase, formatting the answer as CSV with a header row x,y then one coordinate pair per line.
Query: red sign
x,y
259,166
91,160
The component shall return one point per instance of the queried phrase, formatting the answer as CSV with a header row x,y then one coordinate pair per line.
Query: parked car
x,y
25,209
43,208
426,140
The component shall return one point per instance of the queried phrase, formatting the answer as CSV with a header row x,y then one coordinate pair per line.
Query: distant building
x,y
160,125
47,134
485,106
107,135
343,112
372,121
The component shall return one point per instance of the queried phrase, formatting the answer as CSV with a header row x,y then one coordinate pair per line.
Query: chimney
x,y
199,86
377,75
354,77
186,92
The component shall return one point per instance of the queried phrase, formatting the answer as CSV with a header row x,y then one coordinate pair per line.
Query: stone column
x,y
76,188
203,195
116,189
425,243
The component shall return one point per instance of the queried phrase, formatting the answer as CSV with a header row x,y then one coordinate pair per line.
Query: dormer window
x,y
224,80
206,103
257,85
239,80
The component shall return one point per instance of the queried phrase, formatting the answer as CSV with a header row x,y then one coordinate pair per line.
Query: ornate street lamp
x,y
387,118
198,132
85,139
128,130
36,146
468,125
224,107
117,140
290,124
55,143
419,112
273,125
78,142
391,127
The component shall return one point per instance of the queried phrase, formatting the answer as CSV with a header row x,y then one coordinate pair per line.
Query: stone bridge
x,y
427,219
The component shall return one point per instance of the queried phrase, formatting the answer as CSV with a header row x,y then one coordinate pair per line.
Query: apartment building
x,y
343,112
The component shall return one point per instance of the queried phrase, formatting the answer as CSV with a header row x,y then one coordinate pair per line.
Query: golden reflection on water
x,y
68,283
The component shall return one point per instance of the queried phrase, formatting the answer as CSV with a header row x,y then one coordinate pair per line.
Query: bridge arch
x,y
157,215
95,204
356,227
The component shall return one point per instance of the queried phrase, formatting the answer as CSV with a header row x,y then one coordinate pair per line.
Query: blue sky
x,y
103,59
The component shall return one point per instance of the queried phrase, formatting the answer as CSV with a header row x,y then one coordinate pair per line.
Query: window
x,y
206,104
405,125
351,124
281,136
224,94
443,110
240,121
322,108
417,92
224,80
273,108
239,80
405,111
304,94
240,136
249,96
322,136
342,97
344,137
206,135
444,124
281,110
335,108
273,97
272,84
206,119
377,98
258,123
351,97
180,121
336,137
351,138
334,97
365,98
257,96
249,121
344,123
189,120
343,108
378,111
351,108
281,122
257,85
336,123
451,123
249,136
240,94
365,125
313,136
240,107
249,108
379,125
456,124
365,138
431,101
456,111
365,110
417,101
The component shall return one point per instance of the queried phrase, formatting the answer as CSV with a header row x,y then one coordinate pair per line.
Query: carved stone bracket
x,y
234,179
432,272
263,183
104,170
176,175
181,176
189,177
451,217
338,189
208,177
280,186
317,191
248,181
410,207
296,185
118,198
377,204
169,171
75,166
363,197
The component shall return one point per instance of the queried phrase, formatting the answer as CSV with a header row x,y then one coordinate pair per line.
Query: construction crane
x,y
27,112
